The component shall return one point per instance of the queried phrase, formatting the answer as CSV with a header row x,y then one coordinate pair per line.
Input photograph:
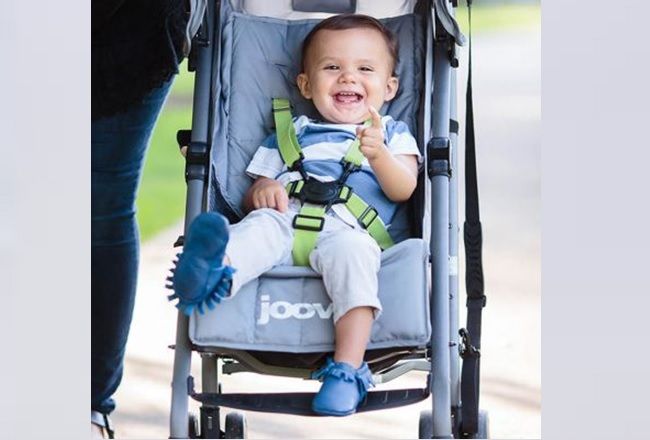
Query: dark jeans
x,y
118,147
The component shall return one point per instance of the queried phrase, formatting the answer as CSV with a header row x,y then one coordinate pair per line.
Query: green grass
x,y
486,18
184,82
161,197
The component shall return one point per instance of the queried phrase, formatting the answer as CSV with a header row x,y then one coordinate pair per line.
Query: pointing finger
x,y
375,116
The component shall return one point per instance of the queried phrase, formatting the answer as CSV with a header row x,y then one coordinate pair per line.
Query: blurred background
x,y
506,76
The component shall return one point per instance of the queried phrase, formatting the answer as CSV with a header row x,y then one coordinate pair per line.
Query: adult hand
x,y
269,193
372,138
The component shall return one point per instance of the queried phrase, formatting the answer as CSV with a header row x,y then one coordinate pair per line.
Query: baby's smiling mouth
x,y
347,97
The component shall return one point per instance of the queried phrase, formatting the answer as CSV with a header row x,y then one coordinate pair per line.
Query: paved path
x,y
507,95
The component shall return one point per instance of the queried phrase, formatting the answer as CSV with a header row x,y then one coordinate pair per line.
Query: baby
x,y
348,64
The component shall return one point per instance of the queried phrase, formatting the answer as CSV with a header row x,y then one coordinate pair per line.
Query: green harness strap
x,y
286,134
310,219
354,155
370,220
307,224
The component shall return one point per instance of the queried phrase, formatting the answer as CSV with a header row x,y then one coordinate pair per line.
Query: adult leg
x,y
118,148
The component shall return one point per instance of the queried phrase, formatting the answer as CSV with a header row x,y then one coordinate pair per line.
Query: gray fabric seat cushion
x,y
288,310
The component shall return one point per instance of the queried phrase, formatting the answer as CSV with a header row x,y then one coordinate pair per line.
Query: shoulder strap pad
x,y
286,134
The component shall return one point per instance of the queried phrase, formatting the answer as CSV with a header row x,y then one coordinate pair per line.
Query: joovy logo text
x,y
284,310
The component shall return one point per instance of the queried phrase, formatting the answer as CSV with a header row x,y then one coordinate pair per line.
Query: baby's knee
x,y
359,241
354,246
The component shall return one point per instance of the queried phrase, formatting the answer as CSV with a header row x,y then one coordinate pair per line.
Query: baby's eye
x,y
331,67
366,69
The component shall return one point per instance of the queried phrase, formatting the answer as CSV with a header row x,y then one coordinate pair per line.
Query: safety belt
x,y
317,197
471,336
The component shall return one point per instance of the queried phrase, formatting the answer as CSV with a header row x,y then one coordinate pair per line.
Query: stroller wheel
x,y
193,426
425,428
235,425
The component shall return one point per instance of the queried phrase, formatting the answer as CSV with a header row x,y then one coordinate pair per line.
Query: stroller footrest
x,y
300,403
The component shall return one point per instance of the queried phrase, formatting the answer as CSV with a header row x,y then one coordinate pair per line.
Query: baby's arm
x,y
266,193
397,174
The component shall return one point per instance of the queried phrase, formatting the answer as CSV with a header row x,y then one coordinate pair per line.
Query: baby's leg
x,y
349,262
259,242
263,239
353,334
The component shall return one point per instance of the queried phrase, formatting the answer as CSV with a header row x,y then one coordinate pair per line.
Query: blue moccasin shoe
x,y
343,388
200,278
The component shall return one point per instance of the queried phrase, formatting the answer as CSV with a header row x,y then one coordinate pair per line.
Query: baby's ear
x,y
302,80
391,87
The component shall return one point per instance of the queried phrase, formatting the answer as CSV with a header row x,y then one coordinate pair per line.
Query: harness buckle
x,y
297,165
348,168
317,192
307,222
294,191
362,218
345,192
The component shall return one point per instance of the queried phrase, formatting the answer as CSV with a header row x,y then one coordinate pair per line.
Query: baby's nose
x,y
347,76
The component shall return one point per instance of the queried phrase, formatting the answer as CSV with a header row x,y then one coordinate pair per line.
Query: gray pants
x,y
347,258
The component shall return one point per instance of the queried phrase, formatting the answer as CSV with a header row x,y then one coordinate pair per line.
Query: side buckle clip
x,y
467,350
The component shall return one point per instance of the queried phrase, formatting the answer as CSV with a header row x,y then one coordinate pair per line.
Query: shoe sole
x,y
325,412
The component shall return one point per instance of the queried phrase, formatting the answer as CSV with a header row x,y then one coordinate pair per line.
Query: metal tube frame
x,y
443,193
454,325
194,205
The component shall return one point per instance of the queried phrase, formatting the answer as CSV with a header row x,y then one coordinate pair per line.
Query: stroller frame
x,y
438,130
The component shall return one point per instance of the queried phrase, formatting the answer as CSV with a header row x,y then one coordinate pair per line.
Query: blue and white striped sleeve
x,y
267,161
399,139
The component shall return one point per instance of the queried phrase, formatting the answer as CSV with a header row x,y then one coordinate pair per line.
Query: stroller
x,y
245,54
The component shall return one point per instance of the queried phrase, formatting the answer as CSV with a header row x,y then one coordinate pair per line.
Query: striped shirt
x,y
324,145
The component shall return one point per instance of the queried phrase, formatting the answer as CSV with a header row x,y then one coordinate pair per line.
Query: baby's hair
x,y
352,21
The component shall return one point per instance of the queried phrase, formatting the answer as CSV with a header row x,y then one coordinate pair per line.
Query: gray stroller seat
x,y
287,309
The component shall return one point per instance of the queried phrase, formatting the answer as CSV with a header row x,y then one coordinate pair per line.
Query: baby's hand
x,y
269,193
372,138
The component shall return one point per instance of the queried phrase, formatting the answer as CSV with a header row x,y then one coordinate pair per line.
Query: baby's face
x,y
346,71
